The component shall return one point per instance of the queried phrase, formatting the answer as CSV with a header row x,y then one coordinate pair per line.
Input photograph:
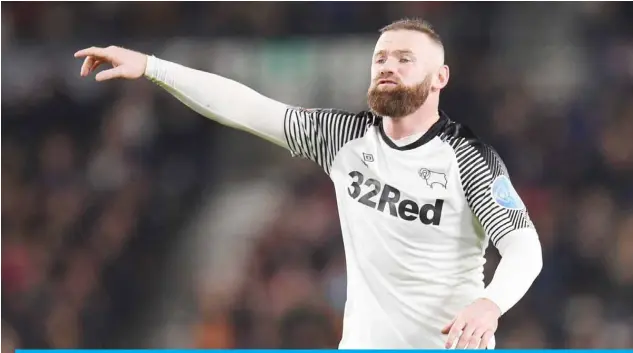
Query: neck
x,y
418,122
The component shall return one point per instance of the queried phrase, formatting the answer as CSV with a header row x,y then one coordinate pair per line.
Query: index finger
x,y
455,332
92,51
485,339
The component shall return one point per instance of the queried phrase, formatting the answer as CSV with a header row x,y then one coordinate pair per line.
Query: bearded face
x,y
389,97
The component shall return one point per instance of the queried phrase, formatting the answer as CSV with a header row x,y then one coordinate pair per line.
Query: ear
x,y
441,79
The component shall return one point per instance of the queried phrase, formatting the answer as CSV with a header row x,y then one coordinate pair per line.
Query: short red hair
x,y
417,25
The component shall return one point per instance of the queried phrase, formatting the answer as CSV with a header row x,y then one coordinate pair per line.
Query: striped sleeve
x,y
318,134
489,191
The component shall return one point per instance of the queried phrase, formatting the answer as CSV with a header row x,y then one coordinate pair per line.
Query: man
x,y
419,195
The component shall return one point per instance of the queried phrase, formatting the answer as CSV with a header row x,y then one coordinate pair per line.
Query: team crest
x,y
433,178
504,194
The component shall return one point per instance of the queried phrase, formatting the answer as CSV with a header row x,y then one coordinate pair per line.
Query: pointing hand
x,y
125,63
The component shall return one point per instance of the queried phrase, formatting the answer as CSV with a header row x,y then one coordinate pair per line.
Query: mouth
x,y
386,82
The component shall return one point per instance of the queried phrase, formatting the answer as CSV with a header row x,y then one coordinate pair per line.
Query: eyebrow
x,y
397,52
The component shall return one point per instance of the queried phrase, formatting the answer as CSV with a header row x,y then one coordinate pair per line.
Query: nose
x,y
388,68
386,72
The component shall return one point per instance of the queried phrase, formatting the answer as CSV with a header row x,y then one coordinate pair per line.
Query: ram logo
x,y
433,178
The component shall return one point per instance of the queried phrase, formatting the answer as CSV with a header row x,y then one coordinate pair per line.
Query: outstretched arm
x,y
215,97
221,99
315,134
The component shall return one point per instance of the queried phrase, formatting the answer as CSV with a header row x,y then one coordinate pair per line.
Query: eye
x,y
404,60
380,60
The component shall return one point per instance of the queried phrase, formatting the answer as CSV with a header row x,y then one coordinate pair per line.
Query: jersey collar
x,y
433,131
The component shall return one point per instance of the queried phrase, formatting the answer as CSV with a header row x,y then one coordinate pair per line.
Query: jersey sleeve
x,y
318,134
315,134
223,100
489,191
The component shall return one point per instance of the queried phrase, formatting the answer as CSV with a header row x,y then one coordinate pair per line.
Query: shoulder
x,y
474,155
462,138
457,133
362,115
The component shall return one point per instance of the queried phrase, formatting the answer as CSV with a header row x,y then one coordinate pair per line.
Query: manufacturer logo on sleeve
x,y
504,194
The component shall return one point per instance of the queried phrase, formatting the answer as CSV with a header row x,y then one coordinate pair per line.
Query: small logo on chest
x,y
433,178
367,158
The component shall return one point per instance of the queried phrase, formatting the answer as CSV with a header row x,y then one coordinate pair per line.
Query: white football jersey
x,y
416,221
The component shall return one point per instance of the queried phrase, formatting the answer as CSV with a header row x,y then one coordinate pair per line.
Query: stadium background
x,y
129,221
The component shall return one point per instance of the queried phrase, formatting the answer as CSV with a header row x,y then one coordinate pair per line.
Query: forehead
x,y
403,40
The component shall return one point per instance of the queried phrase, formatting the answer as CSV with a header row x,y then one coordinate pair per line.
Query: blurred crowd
x,y
96,191
50,21
91,193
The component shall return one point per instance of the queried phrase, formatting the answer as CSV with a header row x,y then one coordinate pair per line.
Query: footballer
x,y
419,195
